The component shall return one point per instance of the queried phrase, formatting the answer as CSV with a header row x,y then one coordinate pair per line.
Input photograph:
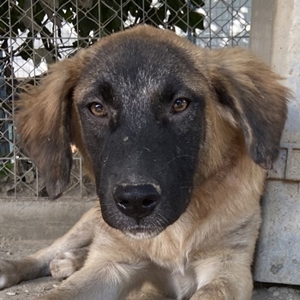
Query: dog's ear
x,y
43,119
252,94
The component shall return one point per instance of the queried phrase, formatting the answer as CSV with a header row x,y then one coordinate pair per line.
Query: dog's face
x,y
143,125
153,117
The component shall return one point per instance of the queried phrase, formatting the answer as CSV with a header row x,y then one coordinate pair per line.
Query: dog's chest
x,y
179,271
166,254
184,283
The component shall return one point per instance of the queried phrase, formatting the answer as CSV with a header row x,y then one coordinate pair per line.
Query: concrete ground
x,y
23,231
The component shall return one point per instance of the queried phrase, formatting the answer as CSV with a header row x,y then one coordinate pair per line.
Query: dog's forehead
x,y
140,62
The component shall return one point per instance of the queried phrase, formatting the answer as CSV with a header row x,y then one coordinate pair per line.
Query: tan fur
x,y
207,253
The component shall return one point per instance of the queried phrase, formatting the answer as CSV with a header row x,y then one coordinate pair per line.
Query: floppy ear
x,y
43,118
257,101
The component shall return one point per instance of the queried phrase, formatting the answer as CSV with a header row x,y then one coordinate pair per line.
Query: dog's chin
x,y
140,233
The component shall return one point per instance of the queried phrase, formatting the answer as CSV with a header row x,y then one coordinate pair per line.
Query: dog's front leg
x,y
109,279
227,287
110,273
37,264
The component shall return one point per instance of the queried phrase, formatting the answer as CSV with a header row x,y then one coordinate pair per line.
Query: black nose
x,y
136,201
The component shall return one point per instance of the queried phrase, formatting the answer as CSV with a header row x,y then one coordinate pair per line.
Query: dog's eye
x,y
97,109
180,105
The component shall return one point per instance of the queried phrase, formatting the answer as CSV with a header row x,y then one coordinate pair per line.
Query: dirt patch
x,y
31,289
267,292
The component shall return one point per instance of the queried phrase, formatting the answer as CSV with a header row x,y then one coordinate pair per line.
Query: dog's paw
x,y
62,266
66,263
9,274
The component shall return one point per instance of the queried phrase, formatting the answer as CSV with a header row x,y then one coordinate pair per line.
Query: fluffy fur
x,y
204,252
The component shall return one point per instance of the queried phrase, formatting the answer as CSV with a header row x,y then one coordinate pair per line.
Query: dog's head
x,y
151,114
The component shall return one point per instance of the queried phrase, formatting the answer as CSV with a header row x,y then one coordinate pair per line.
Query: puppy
x,y
177,139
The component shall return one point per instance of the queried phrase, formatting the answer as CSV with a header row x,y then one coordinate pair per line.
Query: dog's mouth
x,y
141,232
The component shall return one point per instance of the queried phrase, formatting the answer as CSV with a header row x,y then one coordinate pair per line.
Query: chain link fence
x,y
34,34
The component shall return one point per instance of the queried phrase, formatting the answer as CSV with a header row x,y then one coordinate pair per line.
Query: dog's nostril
x,y
124,204
148,203
136,201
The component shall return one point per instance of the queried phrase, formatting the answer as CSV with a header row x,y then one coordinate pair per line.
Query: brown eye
x,y
180,105
97,109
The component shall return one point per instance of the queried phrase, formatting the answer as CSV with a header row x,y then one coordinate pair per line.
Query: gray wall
x,y
275,37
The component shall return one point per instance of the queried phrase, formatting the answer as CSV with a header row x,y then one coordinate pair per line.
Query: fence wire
x,y
34,34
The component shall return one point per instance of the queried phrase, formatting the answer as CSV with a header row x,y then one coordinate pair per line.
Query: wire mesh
x,y
34,34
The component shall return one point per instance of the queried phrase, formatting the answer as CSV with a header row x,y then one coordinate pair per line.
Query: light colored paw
x,y
66,263
9,274
61,268
3,281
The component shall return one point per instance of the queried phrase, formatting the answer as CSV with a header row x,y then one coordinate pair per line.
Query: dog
x,y
177,140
